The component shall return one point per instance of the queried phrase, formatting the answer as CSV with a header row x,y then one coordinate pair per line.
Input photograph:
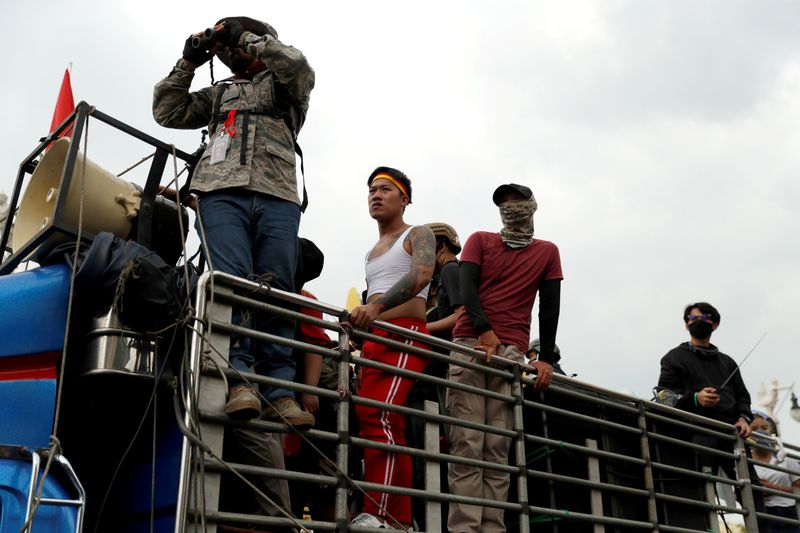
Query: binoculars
x,y
206,42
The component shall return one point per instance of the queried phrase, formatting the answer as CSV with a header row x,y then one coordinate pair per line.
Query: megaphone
x,y
109,203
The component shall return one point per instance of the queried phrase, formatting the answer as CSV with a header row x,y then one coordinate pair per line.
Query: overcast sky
x,y
660,140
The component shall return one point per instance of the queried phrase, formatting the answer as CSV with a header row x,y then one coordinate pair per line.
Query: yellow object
x,y
389,178
306,516
353,299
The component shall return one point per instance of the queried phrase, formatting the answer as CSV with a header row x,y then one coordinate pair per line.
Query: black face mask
x,y
700,329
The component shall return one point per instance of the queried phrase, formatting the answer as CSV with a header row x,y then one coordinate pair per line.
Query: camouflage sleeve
x,y
175,107
287,63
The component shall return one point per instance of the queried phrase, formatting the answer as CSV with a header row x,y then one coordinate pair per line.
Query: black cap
x,y
511,187
309,262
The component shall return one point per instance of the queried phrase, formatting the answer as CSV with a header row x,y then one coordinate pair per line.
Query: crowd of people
x,y
244,190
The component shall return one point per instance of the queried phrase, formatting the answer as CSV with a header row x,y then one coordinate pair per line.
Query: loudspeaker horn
x,y
109,203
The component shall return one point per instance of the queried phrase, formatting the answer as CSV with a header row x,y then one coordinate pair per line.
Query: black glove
x,y
233,32
198,56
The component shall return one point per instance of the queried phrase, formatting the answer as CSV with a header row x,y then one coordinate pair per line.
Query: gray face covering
x,y
517,217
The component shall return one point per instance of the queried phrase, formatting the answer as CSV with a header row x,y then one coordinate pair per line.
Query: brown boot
x,y
288,411
243,403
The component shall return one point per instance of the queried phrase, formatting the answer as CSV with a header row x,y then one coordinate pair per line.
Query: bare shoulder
x,y
420,240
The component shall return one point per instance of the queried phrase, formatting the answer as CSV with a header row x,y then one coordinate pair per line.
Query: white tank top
x,y
386,270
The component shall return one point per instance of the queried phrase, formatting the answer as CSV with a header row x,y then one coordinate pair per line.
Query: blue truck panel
x,y
15,478
33,310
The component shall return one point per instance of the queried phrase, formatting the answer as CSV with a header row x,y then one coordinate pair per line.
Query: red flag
x,y
64,105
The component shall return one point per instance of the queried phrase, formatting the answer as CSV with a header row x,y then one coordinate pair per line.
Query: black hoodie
x,y
688,369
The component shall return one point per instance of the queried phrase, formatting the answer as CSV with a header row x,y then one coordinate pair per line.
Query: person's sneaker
x,y
369,520
288,411
243,403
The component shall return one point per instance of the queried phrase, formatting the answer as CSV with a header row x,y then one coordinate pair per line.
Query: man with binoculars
x,y
246,184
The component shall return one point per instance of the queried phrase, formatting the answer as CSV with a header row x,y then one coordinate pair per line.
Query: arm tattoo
x,y
423,259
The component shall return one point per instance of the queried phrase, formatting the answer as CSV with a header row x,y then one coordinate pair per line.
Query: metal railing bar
x,y
585,450
688,416
565,514
698,503
60,502
401,346
391,369
771,466
278,473
276,382
691,445
696,474
442,496
586,483
218,517
243,301
774,492
692,426
555,389
776,518
676,529
579,416
274,339
434,456
228,280
266,426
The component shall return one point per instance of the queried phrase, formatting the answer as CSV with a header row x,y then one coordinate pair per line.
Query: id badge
x,y
219,149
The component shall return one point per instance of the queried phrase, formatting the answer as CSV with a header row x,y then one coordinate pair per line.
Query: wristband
x,y
695,400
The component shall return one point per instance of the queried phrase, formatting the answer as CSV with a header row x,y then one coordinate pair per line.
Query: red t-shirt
x,y
311,333
509,280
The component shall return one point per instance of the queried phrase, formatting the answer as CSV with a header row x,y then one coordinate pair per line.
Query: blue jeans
x,y
249,235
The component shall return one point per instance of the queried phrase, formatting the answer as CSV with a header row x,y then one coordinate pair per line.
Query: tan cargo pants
x,y
468,480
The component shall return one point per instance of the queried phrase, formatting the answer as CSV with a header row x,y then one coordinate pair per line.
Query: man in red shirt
x,y
500,274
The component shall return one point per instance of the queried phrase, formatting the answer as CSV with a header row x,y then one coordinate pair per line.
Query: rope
x,y
55,448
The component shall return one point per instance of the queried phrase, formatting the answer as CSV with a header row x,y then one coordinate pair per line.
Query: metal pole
x,y
596,501
742,472
343,430
433,508
649,484
519,447
711,497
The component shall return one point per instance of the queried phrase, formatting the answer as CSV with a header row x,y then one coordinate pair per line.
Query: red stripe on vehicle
x,y
26,367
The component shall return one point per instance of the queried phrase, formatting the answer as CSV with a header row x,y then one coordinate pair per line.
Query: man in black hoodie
x,y
705,380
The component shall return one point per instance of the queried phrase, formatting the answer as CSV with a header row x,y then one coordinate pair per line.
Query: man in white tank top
x,y
399,269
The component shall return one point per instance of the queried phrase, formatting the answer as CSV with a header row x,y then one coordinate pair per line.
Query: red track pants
x,y
389,427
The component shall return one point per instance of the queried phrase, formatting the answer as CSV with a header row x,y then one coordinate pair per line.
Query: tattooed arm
x,y
422,245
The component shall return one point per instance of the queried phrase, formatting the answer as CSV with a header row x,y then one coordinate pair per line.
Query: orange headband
x,y
397,183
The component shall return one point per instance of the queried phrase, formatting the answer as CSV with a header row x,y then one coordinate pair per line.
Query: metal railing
x,y
582,458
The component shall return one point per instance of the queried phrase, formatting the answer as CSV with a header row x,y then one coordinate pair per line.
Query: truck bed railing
x,y
582,458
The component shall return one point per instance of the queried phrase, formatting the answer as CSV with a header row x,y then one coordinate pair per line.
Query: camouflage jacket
x,y
267,164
